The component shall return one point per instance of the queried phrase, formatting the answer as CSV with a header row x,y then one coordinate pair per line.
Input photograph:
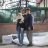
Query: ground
x,y
24,46
16,46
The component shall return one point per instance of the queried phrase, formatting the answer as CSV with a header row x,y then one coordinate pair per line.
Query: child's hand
x,y
20,22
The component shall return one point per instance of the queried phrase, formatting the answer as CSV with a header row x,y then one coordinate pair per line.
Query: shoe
x,y
20,44
29,45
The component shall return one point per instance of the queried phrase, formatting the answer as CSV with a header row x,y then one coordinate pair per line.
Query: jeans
x,y
20,34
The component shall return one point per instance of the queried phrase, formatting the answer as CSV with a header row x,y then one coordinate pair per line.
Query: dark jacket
x,y
18,24
28,21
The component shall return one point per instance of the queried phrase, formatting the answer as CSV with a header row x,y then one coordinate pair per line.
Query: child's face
x,y
19,14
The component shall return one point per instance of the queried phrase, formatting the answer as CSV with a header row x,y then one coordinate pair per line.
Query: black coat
x,y
28,22
18,24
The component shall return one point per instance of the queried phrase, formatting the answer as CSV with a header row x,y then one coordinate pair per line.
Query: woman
x,y
20,20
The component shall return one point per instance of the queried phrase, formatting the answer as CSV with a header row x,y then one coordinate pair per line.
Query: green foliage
x,y
4,20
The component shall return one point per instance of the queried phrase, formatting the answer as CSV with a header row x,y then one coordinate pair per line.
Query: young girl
x,y
20,20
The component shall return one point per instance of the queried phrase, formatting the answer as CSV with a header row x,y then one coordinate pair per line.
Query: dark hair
x,y
28,9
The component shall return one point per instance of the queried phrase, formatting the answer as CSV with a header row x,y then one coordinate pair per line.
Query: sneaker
x,y
20,44
29,45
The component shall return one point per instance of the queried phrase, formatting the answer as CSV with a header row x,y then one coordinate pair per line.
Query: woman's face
x,y
23,12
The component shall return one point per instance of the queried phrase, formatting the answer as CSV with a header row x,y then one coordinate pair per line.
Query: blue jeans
x,y
20,34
